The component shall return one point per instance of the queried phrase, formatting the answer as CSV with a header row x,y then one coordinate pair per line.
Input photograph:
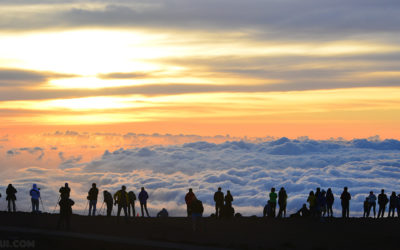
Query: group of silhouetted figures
x,y
320,204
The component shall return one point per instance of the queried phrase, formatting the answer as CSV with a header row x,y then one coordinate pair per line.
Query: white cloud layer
x,y
248,169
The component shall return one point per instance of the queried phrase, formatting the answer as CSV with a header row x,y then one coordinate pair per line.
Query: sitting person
x,y
267,210
163,213
303,212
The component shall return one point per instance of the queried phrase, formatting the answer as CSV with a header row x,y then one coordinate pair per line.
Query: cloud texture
x,y
248,169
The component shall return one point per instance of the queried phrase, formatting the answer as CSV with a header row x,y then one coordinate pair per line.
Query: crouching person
x,y
163,213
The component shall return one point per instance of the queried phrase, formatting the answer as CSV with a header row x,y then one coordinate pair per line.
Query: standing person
x,y
108,199
132,198
92,197
317,202
382,201
272,198
189,197
330,199
143,196
345,197
366,207
392,204
35,195
11,197
65,191
228,210
312,202
322,203
197,213
219,202
121,198
65,212
282,201
371,203
398,205
228,198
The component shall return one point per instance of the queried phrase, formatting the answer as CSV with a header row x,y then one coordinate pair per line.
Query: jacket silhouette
x,y
11,197
131,205
122,199
219,202
65,191
382,201
312,200
393,201
65,212
282,202
228,199
189,197
108,199
272,200
92,197
143,196
35,195
163,213
196,206
330,199
345,197
371,203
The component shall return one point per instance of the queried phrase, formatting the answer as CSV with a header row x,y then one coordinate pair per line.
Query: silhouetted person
x,y
163,213
65,191
398,205
282,202
11,197
303,212
382,201
330,199
267,212
143,196
131,205
322,203
345,197
228,211
366,207
188,200
228,198
371,203
219,202
108,199
317,202
35,196
197,213
272,198
122,199
65,212
312,203
392,204
92,197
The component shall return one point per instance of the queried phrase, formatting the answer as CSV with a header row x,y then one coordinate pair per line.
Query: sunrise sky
x,y
281,68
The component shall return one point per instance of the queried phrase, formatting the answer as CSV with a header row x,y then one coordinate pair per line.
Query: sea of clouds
x,y
248,169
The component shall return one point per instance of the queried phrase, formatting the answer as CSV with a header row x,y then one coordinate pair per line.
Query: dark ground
x,y
241,233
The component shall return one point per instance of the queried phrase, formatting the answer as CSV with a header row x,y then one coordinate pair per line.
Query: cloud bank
x,y
248,169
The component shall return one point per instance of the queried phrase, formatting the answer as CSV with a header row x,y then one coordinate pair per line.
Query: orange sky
x,y
112,74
